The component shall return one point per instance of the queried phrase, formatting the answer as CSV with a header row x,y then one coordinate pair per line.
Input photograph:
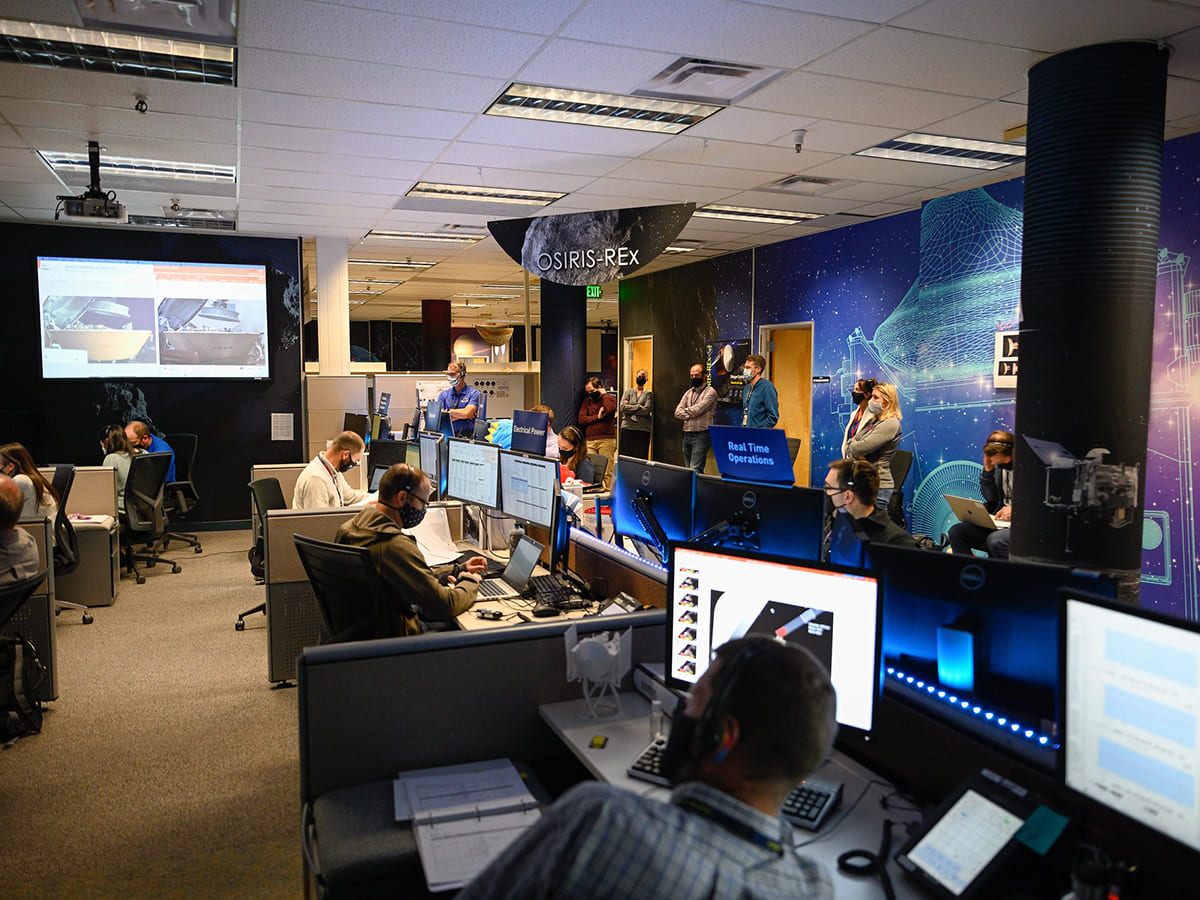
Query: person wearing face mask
x,y
637,417
460,402
418,596
38,495
760,719
573,456
995,486
878,439
760,400
696,407
322,485
851,486
597,418
860,396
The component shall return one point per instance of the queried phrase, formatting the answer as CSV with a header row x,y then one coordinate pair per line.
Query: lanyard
x,y
746,405
333,475
729,823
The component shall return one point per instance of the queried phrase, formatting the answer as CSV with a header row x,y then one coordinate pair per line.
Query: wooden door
x,y
791,373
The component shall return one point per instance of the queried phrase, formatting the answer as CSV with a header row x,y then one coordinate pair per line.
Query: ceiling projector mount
x,y
92,203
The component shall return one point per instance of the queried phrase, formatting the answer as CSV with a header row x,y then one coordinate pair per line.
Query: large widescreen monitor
x,y
137,319
786,521
431,457
473,473
652,502
528,487
717,594
1131,712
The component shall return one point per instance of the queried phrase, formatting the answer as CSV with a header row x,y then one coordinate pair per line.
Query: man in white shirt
x,y
322,485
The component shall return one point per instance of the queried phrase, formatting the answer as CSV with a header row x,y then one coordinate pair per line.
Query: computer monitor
x,y
560,537
387,453
785,521
430,459
377,473
528,487
433,416
358,423
381,427
1131,708
847,547
652,502
718,594
473,473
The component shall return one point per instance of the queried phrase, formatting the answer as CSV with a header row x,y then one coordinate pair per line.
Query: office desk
x,y
513,609
857,823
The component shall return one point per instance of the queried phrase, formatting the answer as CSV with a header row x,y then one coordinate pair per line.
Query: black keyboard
x,y
550,591
810,802
648,765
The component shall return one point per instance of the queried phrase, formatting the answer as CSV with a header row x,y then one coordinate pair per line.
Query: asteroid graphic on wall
x,y
591,247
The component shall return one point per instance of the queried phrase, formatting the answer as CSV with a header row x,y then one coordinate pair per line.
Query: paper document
x,y
433,537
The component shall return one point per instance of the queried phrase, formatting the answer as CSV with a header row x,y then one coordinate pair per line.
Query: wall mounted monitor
x,y
1131,705
473,473
718,594
652,502
430,459
528,487
785,521
138,319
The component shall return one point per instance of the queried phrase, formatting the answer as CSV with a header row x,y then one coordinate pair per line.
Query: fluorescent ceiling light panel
x,y
375,283
527,101
434,191
393,263
444,237
70,163
489,296
121,54
202,224
753,214
941,150
520,288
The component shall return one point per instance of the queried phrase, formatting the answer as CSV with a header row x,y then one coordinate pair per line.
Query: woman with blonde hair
x,y
877,440
40,498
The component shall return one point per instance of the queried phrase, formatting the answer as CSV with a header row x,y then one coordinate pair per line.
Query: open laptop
x,y
974,512
515,577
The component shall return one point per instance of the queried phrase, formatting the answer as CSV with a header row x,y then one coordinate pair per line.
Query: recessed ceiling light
x,y
753,214
511,287
527,101
488,296
373,283
71,163
519,196
110,51
941,150
449,238
393,263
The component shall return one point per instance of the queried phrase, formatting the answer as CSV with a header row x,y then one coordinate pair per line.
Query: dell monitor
x,y
433,416
1131,704
785,521
358,423
718,594
473,473
430,458
528,487
560,537
652,502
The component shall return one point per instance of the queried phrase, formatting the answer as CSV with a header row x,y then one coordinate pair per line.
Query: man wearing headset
x,y
417,594
995,486
759,720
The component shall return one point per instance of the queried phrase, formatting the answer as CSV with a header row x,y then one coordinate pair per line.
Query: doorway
x,y
788,349
639,354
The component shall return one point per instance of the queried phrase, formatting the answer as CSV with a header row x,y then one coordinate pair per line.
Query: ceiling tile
x,y
381,118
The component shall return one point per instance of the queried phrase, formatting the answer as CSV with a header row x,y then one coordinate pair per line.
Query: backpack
x,y
21,674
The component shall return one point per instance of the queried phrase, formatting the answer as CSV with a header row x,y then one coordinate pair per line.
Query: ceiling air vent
x,y
706,81
807,185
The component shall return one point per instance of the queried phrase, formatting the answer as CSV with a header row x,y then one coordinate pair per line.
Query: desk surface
x,y
857,823
513,611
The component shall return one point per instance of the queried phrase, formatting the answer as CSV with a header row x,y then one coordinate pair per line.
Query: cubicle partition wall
x,y
327,400
93,503
35,619
94,491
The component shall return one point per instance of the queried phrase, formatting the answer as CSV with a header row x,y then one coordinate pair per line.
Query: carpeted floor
x,y
168,767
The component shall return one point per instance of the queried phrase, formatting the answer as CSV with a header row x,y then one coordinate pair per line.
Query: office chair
x,y
265,495
66,545
901,463
14,594
348,591
180,496
599,468
144,521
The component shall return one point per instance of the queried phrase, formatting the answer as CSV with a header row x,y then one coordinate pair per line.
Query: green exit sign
x,y
594,291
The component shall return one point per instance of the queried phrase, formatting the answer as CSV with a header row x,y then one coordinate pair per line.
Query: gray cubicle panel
x,y
442,698
94,491
35,619
327,399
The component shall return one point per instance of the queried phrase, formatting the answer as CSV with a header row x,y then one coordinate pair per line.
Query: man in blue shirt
x,y
760,400
758,721
139,435
460,402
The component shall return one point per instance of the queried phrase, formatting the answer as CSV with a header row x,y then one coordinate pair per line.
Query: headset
x,y
709,732
410,481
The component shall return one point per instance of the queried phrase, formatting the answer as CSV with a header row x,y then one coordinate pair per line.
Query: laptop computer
x,y
974,512
515,577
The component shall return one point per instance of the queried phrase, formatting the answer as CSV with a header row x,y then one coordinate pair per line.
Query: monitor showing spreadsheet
x,y
473,473
528,487
430,452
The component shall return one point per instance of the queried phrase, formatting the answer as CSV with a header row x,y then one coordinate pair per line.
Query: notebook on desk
x,y
974,512
515,577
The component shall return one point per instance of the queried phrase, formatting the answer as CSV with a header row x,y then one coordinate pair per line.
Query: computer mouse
x,y
543,611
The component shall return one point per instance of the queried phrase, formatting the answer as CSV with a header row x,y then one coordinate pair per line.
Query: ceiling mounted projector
x,y
93,204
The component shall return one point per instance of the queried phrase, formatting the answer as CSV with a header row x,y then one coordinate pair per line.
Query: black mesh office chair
x,y
180,496
13,595
66,545
265,495
348,591
901,463
144,521
28,711
599,469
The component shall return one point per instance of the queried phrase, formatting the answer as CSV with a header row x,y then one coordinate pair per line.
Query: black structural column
x,y
1092,195
435,334
564,350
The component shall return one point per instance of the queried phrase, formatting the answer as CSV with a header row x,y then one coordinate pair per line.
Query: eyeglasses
x,y
424,500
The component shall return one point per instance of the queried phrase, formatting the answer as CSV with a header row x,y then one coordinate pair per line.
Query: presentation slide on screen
x,y
113,318
718,598
1133,717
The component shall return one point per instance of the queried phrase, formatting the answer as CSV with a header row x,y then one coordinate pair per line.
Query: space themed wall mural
x,y
918,299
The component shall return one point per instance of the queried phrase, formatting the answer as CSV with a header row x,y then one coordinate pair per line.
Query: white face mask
x,y
875,407
452,379
748,373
